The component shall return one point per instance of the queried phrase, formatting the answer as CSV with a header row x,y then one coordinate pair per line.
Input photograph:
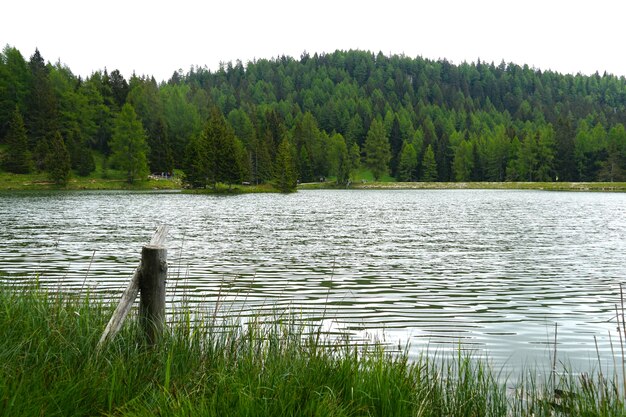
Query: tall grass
x,y
269,366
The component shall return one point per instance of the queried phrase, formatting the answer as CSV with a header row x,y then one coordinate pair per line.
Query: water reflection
x,y
493,270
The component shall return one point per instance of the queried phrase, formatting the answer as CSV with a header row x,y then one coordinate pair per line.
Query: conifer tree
x,y
41,112
429,165
58,162
377,149
17,158
195,163
407,163
222,161
285,177
129,144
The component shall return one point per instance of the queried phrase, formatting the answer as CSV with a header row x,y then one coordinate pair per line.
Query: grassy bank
x,y
49,366
547,186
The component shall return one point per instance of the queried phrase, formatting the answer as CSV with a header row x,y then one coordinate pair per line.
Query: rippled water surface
x,y
493,270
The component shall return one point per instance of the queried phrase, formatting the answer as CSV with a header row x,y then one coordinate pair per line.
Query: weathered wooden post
x,y
130,293
152,291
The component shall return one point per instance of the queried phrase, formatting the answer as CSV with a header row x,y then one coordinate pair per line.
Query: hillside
x,y
412,118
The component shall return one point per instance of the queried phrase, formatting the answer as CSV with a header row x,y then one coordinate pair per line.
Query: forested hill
x,y
319,116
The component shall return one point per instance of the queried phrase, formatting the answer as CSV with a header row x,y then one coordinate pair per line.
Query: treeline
x,y
319,116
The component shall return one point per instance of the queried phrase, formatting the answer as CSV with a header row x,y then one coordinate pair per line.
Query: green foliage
x,y
407,167
14,85
269,366
463,164
285,177
128,145
17,158
614,167
339,159
312,145
58,161
377,149
562,122
429,165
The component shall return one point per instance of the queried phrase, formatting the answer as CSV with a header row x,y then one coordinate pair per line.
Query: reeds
x,y
266,366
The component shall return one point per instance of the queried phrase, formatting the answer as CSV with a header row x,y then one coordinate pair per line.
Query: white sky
x,y
157,37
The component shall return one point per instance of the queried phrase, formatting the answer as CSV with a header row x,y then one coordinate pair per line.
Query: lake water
x,y
491,270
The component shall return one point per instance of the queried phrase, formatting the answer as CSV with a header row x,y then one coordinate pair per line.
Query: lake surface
x,y
491,270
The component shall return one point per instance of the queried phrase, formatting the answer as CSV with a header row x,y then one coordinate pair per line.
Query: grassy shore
x,y
546,186
49,365
114,180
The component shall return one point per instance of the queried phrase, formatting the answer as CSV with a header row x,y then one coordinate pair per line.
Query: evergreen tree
x,y
339,158
129,145
396,143
262,160
119,87
429,165
355,157
565,162
285,177
614,168
407,165
17,158
58,162
463,161
85,163
377,149
41,111
14,85
81,156
195,163
160,158
222,164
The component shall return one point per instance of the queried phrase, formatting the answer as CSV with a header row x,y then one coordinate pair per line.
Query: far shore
x,y
548,186
39,182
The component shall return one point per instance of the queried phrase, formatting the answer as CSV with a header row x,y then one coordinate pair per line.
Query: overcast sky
x,y
157,38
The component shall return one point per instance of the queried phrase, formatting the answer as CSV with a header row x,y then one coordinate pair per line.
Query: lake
x,y
492,270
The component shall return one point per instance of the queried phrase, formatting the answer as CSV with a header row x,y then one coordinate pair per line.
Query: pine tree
x,y
129,144
195,163
463,163
17,158
429,165
160,157
58,162
222,163
377,149
41,112
407,163
285,177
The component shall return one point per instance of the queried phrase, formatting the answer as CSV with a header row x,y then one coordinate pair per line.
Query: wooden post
x,y
152,291
130,293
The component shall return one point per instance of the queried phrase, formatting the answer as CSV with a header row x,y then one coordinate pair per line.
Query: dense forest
x,y
284,120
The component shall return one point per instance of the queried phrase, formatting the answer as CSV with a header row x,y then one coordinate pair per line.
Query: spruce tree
x,y
129,144
58,162
429,165
17,158
41,112
285,177
222,162
407,163
377,149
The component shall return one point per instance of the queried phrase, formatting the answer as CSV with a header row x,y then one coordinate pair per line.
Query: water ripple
x,y
494,270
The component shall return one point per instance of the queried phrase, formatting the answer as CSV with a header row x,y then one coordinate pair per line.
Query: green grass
x,y
49,365
100,179
233,189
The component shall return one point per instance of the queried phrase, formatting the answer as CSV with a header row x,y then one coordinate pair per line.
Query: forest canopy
x,y
315,117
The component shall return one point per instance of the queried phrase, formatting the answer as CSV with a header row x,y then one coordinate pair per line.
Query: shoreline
x,y
540,186
13,182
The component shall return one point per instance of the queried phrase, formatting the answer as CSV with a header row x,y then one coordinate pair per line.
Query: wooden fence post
x,y
152,291
130,293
